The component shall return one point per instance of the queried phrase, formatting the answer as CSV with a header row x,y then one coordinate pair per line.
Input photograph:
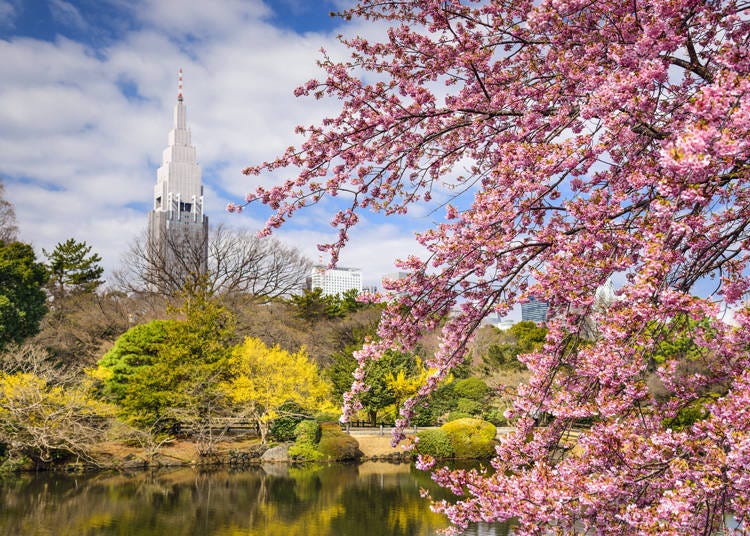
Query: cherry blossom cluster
x,y
602,138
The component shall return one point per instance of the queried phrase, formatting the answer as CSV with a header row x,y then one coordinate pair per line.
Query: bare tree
x,y
8,227
239,262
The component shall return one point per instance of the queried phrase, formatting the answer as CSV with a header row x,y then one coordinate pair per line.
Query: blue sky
x,y
87,89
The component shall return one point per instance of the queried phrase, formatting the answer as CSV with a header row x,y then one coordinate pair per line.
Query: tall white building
x,y
335,280
177,226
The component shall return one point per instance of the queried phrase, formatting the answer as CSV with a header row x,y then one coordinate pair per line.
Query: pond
x,y
370,499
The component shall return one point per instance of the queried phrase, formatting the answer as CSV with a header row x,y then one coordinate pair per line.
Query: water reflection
x,y
372,499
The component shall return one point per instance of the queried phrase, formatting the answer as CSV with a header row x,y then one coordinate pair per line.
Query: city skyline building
x,y
534,311
177,225
334,281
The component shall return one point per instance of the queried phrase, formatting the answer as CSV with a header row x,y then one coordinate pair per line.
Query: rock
x,y
280,470
276,454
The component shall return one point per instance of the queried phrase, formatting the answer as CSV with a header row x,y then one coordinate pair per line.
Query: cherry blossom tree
x,y
578,139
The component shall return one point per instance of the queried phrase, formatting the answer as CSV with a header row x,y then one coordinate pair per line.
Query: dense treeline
x,y
81,362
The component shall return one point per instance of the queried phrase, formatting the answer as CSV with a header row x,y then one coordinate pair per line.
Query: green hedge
x,y
472,388
467,405
471,438
435,443
325,441
335,445
455,415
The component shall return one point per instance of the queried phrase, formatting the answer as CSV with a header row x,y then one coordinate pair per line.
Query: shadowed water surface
x,y
371,499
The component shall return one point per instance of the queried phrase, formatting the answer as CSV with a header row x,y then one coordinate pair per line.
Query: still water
x,y
371,499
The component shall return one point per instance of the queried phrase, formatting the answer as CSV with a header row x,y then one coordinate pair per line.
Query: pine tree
x,y
73,268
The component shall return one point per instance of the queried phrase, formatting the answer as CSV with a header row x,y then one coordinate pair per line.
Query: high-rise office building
x,y
534,311
177,226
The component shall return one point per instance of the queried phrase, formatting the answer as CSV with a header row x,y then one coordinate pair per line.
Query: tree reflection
x,y
337,499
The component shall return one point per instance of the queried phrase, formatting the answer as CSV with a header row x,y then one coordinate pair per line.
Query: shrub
x,y
424,416
336,445
469,406
307,432
328,416
283,428
471,388
455,415
47,423
305,447
304,452
496,417
471,438
435,443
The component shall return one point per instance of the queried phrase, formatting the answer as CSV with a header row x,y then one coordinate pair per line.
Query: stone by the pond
x,y
276,454
279,470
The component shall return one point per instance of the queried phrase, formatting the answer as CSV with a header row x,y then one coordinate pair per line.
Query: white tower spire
x,y
177,224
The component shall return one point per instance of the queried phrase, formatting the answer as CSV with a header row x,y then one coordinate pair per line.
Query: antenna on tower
x,y
179,85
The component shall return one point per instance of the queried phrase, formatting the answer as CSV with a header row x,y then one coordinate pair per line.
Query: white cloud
x,y
67,14
8,14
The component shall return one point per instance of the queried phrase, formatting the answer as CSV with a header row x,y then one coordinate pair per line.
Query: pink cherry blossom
x,y
602,137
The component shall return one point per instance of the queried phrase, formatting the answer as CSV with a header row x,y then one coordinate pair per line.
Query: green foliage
x,y
308,434
176,367
316,442
469,406
328,416
676,339
283,428
304,452
435,443
136,348
23,302
313,305
455,415
521,338
529,336
496,417
471,438
472,388
441,402
73,268
690,414
379,377
335,445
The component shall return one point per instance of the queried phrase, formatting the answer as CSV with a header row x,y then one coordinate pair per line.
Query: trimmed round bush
x,y
472,388
467,405
435,443
455,415
336,445
471,438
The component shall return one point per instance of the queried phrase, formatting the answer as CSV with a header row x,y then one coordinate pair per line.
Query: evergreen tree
x,y
73,268
22,297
